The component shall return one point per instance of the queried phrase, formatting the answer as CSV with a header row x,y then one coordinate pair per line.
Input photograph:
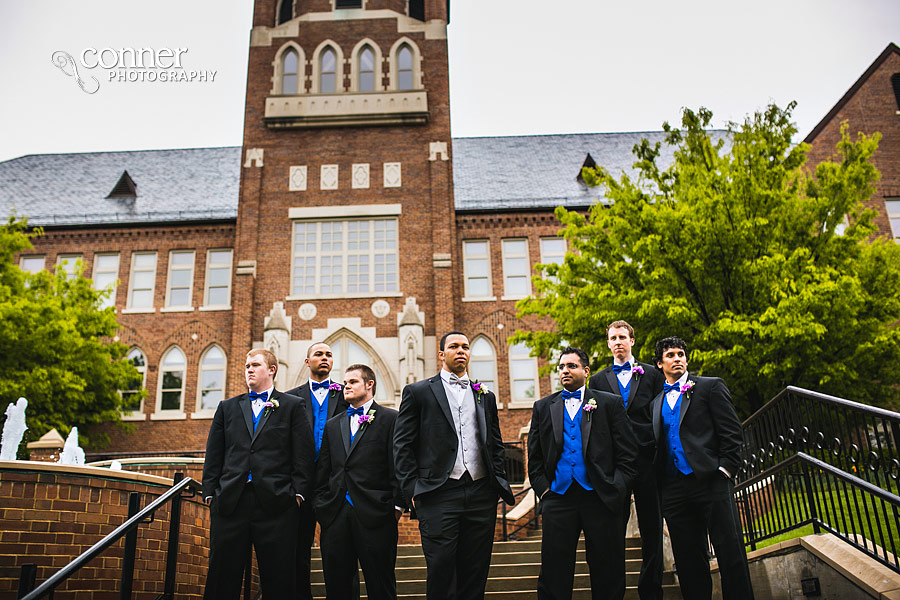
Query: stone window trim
x,y
175,290
150,289
278,65
483,365
207,366
511,275
161,414
470,254
355,56
317,67
224,265
416,63
134,353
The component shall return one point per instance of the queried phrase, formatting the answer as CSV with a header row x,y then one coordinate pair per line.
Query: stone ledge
x,y
82,471
346,109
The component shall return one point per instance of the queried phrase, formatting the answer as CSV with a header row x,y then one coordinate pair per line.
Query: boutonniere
x,y
366,418
687,387
589,407
335,387
269,406
637,371
479,390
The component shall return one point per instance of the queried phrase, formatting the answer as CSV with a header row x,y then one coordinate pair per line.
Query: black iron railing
x,y
532,522
856,438
129,530
805,491
515,462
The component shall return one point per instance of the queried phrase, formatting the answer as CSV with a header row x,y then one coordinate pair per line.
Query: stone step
x,y
670,592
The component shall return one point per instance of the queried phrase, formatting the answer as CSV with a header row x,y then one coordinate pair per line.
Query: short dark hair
x,y
618,324
448,334
313,345
582,355
367,374
666,343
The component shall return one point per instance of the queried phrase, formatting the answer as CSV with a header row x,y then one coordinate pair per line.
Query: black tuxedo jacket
x,y
709,427
608,445
336,402
425,442
279,453
644,389
365,467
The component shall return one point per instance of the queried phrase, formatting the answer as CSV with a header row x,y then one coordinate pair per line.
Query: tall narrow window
x,y
32,264
404,68
483,365
553,251
477,268
142,282
327,71
367,70
212,379
181,279
218,278
523,373
289,71
131,398
892,207
106,277
172,380
69,263
516,269
285,11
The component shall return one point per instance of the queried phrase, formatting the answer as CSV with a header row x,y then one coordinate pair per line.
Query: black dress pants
x,y
649,516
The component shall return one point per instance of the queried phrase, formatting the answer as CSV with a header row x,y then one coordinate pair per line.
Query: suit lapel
x,y
657,414
437,388
481,418
306,394
612,380
264,417
345,435
247,411
635,383
587,419
685,403
332,403
362,428
557,406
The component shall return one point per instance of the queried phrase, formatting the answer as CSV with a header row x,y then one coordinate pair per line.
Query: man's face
x,y
320,361
455,355
258,374
620,342
357,391
673,364
571,374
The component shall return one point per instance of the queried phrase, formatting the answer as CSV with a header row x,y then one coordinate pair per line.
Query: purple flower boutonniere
x,y
479,389
335,387
589,407
269,406
366,418
637,371
687,387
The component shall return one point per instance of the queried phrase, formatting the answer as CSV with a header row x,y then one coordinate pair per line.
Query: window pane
x,y
171,401
145,260
514,246
214,357
367,82
290,62
182,258
328,60
172,379
405,80
32,264
142,299
106,262
553,247
517,286
218,297
481,347
180,297
220,256
367,60
404,58
477,267
210,398
478,287
174,358
523,389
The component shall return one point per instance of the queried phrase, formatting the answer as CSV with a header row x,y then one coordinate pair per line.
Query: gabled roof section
x,y
125,188
892,48
589,163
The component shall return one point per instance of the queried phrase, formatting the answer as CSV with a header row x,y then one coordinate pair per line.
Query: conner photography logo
x,y
127,65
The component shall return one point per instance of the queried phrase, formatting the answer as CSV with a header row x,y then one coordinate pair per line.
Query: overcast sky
x,y
516,67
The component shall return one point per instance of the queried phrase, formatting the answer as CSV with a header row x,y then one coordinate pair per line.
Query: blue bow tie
x,y
668,387
619,368
566,394
355,411
259,396
318,386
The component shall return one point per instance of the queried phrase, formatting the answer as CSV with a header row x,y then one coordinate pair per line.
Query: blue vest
x,y
676,461
571,461
320,415
624,391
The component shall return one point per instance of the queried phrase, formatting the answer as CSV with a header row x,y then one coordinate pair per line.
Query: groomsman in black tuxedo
x,y
449,458
699,439
258,470
323,399
581,462
358,497
637,384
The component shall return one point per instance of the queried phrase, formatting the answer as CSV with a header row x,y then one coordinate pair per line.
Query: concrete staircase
x,y
514,572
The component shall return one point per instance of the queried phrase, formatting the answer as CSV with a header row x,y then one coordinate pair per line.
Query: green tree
x,y
57,346
769,272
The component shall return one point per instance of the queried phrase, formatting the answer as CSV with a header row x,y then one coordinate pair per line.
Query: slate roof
x,y
201,184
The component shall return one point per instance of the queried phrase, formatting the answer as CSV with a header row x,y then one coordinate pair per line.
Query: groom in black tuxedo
x,y
581,457
257,472
699,439
322,399
637,384
358,497
449,458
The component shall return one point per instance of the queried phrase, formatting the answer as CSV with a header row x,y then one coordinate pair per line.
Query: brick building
x,y
349,215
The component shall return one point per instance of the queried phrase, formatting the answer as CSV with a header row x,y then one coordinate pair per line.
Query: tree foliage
x,y
740,250
57,346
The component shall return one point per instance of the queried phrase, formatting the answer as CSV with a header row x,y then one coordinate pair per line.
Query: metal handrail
x,y
522,492
121,531
843,402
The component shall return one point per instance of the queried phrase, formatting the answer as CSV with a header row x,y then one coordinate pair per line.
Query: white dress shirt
x,y
672,396
573,405
625,376
320,394
354,420
257,405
